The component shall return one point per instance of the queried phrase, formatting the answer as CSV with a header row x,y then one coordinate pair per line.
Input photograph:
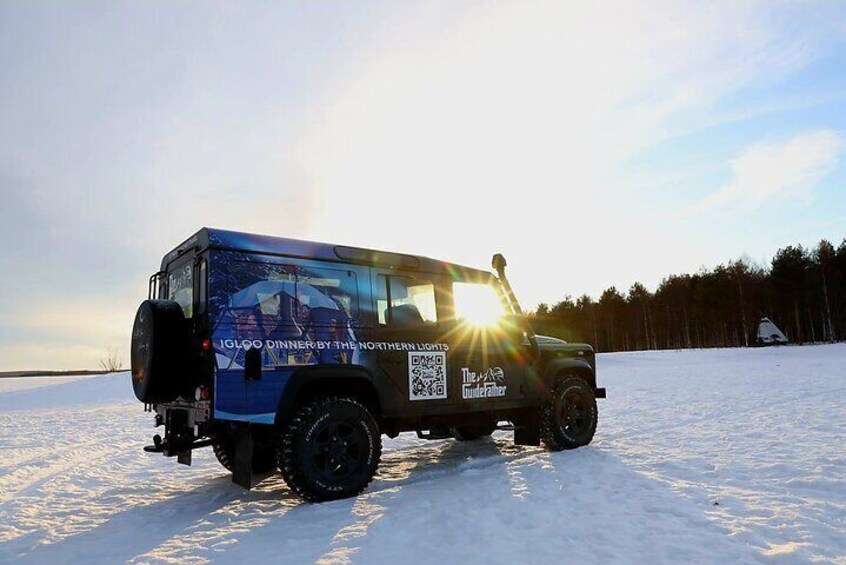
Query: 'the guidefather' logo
x,y
487,384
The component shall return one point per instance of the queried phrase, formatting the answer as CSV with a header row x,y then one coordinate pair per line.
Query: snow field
x,y
709,456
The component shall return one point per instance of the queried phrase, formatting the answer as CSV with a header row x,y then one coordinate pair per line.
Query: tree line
x,y
803,291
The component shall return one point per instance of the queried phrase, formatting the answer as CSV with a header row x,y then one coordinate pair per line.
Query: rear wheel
x,y
568,420
264,455
330,449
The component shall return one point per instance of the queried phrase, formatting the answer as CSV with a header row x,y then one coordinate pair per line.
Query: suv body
x,y
245,339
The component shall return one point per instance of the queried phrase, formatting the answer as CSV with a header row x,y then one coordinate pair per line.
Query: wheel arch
x,y
311,382
558,368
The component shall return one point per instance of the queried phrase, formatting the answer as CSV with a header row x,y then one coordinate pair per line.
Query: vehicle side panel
x,y
304,314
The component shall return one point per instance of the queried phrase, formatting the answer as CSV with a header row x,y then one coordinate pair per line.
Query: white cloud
x,y
770,171
508,130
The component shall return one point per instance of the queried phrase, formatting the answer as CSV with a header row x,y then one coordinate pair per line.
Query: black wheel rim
x,y
573,414
338,449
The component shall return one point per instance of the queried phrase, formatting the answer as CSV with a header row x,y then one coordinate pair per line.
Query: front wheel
x,y
568,419
330,449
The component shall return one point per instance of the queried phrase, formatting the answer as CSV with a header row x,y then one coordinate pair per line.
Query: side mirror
x,y
252,364
518,331
512,325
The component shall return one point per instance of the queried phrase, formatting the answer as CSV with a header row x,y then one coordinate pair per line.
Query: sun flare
x,y
477,304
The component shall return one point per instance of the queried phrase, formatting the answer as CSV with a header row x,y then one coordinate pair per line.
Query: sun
x,y
477,304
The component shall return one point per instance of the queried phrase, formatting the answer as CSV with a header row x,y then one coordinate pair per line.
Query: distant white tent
x,y
769,334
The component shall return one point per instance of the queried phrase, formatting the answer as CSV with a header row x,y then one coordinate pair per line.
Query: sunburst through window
x,y
477,303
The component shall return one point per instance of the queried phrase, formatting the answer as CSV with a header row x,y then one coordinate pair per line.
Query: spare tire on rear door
x,y
160,352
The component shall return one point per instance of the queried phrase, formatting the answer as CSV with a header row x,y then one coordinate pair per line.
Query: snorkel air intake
x,y
498,263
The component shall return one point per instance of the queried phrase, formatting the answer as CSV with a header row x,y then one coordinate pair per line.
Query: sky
x,y
594,144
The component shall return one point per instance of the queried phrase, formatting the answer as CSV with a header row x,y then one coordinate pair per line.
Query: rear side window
x,y
180,288
325,288
404,301
302,314
300,295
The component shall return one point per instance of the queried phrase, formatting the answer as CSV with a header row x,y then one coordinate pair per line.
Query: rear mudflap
x,y
242,471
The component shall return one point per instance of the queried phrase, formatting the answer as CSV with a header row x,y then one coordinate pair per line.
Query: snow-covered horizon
x,y
705,456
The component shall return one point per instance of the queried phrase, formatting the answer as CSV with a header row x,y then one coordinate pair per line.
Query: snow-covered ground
x,y
716,456
10,384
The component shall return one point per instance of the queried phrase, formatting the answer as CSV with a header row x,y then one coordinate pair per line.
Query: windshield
x,y
477,303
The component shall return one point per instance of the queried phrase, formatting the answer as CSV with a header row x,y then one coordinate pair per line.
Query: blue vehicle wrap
x,y
297,312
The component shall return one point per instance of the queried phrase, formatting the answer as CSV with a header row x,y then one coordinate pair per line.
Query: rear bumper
x,y
599,392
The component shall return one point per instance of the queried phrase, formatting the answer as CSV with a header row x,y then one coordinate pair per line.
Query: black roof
x,y
264,244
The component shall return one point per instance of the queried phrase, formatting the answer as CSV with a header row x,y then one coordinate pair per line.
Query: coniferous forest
x,y
802,290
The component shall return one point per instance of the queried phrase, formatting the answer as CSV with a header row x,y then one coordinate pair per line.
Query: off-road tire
x,y
330,449
472,432
568,419
264,455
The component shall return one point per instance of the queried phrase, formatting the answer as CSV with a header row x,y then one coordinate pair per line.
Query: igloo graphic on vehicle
x,y
293,315
297,356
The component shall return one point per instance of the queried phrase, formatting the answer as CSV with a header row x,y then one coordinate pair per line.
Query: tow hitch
x,y
179,438
157,447
182,450
161,446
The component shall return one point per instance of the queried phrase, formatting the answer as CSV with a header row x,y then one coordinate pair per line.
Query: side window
x,y
324,294
403,301
288,308
298,297
382,299
180,285
201,287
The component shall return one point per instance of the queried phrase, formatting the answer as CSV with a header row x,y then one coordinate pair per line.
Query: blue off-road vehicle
x,y
298,356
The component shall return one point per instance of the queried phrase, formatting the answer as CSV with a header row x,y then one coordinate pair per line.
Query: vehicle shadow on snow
x,y
493,501
323,532
140,528
422,490
270,522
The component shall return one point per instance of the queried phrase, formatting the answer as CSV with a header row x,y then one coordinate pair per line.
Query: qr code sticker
x,y
426,375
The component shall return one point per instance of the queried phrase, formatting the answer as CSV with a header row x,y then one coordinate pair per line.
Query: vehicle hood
x,y
575,348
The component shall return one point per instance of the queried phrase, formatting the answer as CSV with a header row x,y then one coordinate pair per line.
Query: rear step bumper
x,y
160,446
